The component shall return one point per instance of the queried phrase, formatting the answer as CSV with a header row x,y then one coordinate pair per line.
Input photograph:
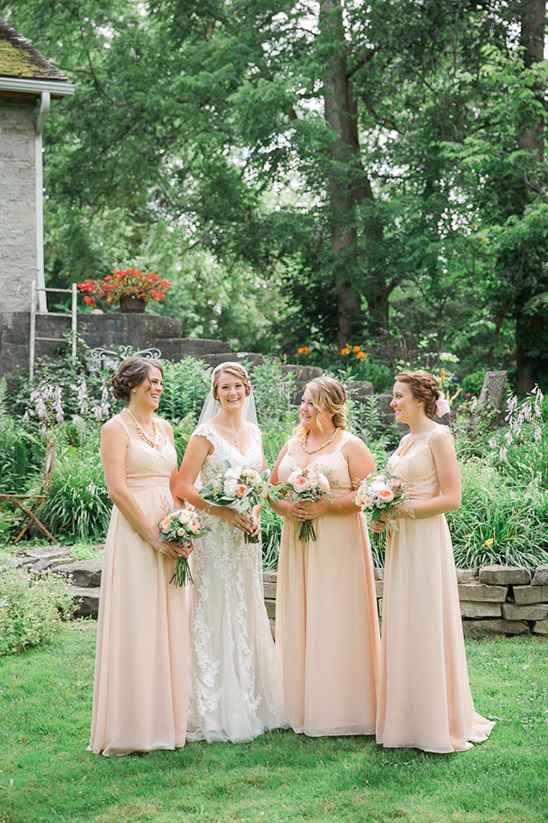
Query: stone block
x,y
270,591
379,586
45,553
540,577
270,608
511,611
270,577
45,565
488,628
504,575
379,574
474,609
85,573
540,627
524,595
466,575
479,592
360,390
273,628
379,606
250,358
89,601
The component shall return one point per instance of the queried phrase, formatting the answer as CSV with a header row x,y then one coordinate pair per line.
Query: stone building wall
x,y
17,204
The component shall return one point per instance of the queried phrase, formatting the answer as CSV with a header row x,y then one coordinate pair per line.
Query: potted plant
x,y
131,288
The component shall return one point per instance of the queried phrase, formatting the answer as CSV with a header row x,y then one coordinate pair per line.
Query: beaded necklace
x,y
154,442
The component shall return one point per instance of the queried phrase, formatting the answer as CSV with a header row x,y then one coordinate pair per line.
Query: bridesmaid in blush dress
x,y
424,695
141,668
327,632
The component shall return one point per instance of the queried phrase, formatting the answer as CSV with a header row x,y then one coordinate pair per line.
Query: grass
x,y
47,776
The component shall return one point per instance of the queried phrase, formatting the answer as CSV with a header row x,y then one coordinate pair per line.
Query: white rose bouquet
x,y
181,526
239,487
305,484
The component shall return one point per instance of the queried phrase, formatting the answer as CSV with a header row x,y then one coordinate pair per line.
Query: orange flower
x,y
356,349
360,355
345,351
303,350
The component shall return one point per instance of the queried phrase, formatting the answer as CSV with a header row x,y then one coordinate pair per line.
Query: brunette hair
x,y
131,373
424,387
333,396
236,371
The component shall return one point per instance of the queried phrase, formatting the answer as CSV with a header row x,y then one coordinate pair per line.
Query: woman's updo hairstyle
x,y
131,373
424,387
332,395
236,371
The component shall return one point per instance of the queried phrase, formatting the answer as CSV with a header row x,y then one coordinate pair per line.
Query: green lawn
x,y
46,774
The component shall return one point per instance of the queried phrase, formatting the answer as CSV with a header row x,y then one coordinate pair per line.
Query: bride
x,y
235,689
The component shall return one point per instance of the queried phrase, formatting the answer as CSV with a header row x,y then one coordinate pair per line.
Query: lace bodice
x,y
333,464
143,460
413,460
213,464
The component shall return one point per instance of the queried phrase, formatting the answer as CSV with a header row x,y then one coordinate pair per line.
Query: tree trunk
x,y
530,328
348,183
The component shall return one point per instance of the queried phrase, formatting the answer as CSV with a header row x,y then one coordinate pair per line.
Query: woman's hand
x,y
377,526
316,508
170,547
256,521
236,519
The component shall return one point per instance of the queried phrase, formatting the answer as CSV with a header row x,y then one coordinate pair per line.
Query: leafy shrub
x,y
498,523
21,452
78,505
31,607
271,532
186,385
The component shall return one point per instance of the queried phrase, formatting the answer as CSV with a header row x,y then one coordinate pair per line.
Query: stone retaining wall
x,y
500,600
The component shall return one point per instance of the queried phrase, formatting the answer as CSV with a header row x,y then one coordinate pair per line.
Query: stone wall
x,y
17,203
499,601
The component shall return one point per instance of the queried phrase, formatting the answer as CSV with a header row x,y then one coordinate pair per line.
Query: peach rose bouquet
x,y
379,493
306,484
239,487
181,526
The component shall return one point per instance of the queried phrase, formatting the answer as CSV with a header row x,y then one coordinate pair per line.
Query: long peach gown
x,y
424,694
141,668
327,631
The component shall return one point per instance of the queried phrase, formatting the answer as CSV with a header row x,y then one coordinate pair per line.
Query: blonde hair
x,y
424,387
332,395
236,371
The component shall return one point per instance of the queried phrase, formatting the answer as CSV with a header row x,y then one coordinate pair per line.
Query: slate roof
x,y
19,58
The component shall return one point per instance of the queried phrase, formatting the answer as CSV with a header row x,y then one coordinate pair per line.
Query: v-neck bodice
x,y
214,463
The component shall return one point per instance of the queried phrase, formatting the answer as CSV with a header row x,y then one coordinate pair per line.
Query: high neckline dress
x,y
327,631
141,671
424,693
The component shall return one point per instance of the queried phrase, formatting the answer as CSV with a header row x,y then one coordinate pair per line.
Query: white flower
x,y
229,486
233,471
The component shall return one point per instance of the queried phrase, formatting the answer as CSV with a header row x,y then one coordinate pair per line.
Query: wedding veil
x,y
211,406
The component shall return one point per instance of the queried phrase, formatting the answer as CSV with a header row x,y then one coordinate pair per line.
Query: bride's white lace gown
x,y
235,690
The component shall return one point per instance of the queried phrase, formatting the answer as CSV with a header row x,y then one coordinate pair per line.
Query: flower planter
x,y
132,305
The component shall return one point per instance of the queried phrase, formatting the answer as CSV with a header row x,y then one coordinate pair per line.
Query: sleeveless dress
x,y
424,694
327,631
235,689
141,667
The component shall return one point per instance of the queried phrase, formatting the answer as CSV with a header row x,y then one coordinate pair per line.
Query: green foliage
x,y
498,523
271,532
31,607
273,390
21,450
186,385
78,506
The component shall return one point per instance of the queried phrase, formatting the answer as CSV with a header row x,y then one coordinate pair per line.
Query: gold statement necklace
x,y
154,442
322,446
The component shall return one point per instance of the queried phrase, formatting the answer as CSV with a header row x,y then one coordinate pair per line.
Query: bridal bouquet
x,y
239,487
306,484
381,492
181,526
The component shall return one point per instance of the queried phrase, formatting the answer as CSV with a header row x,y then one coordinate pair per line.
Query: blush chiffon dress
x,y
424,694
327,632
141,670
